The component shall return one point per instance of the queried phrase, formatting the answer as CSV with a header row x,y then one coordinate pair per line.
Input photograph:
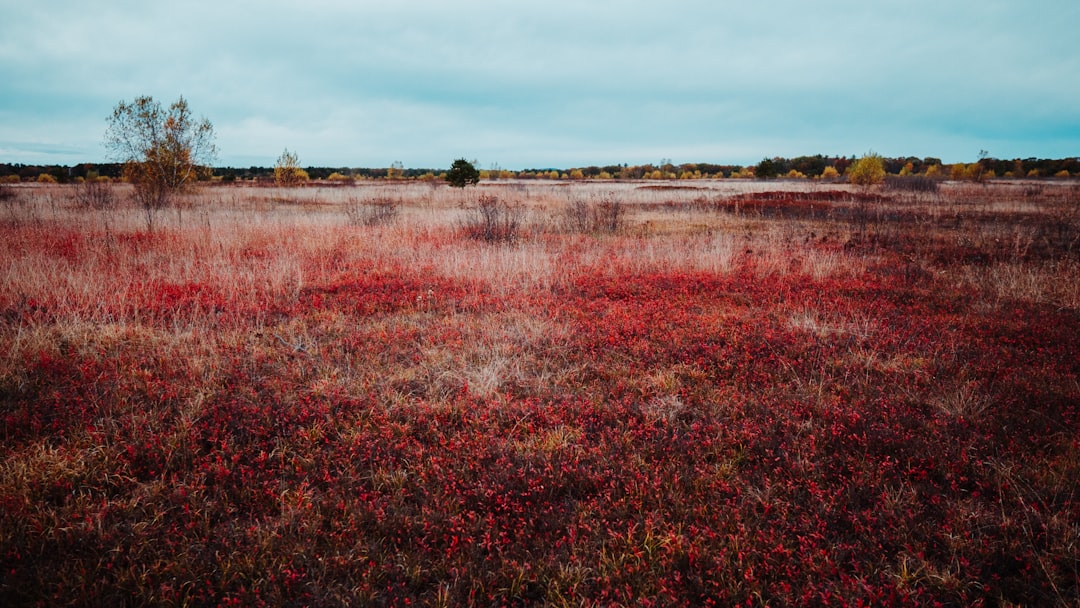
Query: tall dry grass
x,y
259,244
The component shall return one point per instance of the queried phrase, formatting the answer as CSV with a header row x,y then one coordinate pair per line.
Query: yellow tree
x,y
867,171
287,171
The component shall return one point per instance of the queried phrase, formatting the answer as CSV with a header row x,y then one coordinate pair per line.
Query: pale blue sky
x,y
552,84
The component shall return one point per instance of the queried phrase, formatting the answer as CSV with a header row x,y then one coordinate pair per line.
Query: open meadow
x,y
562,393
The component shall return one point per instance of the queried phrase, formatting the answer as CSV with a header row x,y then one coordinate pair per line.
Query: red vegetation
x,y
664,437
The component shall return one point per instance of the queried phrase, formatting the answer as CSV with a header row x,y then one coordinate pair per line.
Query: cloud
x,y
552,84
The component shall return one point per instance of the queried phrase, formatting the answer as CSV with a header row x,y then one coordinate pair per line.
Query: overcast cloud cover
x,y
550,84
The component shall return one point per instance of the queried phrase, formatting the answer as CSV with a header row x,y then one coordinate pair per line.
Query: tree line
x,y
163,150
777,167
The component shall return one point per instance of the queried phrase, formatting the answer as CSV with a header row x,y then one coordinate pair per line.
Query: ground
x,y
642,393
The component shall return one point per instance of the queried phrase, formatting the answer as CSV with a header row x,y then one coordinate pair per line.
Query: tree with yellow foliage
x,y
287,171
867,171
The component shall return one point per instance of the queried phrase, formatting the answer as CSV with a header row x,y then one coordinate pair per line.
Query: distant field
x,y
567,393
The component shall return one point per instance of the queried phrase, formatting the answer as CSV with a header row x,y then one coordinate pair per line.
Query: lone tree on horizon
x,y
462,173
163,152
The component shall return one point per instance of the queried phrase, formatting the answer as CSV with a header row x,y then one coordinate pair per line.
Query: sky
x,y
549,84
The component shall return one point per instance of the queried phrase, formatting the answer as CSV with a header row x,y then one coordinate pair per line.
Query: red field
x,y
759,394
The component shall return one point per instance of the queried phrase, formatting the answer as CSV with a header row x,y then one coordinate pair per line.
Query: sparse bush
x,y
493,220
10,179
911,183
94,194
577,217
46,178
609,215
605,215
1062,231
372,212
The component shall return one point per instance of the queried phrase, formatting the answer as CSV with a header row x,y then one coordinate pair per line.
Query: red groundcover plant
x,y
387,433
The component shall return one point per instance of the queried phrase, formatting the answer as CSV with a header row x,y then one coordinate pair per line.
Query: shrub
x,y
830,172
492,220
911,183
603,216
973,172
45,178
867,171
372,212
94,194
608,214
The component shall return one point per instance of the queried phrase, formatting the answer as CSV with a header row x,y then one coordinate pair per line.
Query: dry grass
x,y
801,393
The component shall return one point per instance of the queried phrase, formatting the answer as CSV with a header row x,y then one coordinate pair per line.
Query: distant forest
x,y
799,167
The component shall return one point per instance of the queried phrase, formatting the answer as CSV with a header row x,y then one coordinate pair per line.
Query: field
x,y
542,393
